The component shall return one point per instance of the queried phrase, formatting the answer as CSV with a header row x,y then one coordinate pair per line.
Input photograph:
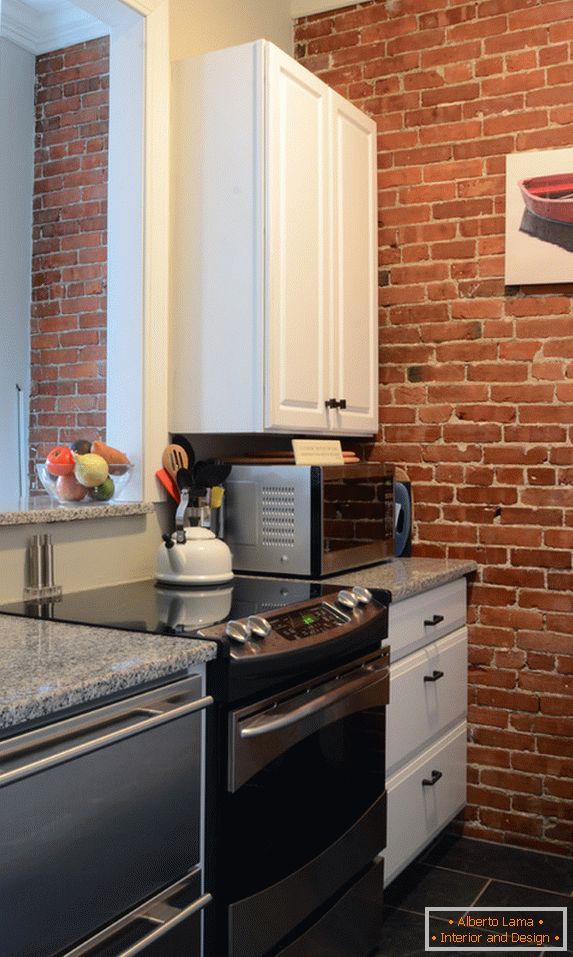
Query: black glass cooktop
x,y
158,609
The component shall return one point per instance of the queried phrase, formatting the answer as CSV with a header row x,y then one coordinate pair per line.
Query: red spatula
x,y
168,483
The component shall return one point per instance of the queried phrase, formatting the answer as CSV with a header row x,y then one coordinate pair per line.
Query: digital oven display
x,y
309,621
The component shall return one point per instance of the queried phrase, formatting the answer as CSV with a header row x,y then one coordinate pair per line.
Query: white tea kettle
x,y
192,556
201,559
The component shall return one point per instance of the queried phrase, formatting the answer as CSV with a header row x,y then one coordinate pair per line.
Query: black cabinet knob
x,y
431,622
429,782
435,676
331,403
342,403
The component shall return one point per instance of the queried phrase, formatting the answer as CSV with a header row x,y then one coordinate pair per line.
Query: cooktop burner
x,y
160,609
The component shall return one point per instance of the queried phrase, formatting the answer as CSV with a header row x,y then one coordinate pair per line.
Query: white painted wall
x,y
16,187
198,26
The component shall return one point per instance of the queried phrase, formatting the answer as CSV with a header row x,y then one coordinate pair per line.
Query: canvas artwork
x,y
539,217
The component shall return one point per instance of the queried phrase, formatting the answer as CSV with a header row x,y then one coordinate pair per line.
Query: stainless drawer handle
x,y
138,718
165,928
432,622
429,782
435,676
163,916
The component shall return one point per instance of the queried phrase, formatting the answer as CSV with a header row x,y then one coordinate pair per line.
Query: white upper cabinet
x,y
274,293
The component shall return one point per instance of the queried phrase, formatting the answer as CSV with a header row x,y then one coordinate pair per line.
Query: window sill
x,y
43,513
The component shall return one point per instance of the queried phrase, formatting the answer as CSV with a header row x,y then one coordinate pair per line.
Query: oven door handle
x,y
256,740
278,718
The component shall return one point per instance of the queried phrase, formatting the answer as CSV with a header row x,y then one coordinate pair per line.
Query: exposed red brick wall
x,y
476,378
69,248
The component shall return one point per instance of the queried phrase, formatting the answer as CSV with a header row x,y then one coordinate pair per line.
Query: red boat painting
x,y
549,197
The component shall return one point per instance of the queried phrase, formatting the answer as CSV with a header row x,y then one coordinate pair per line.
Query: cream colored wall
x,y
198,26
86,553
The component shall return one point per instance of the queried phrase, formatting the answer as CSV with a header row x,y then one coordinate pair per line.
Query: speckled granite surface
x,y
47,666
404,577
70,513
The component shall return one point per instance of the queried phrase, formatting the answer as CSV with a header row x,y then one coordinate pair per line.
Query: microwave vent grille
x,y
277,515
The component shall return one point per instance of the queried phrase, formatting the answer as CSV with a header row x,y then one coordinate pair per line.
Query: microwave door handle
x,y
276,720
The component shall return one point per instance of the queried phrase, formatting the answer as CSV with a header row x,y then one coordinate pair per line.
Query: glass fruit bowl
x,y
65,490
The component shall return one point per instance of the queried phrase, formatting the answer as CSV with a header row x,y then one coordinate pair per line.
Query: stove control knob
x,y
260,627
363,595
347,599
237,631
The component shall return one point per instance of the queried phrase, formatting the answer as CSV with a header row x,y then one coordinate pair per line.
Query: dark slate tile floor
x,y
462,872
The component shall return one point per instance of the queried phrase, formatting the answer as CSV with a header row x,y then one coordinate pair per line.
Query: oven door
x,y
306,801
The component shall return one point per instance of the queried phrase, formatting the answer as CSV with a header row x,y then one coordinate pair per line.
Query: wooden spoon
x,y
173,459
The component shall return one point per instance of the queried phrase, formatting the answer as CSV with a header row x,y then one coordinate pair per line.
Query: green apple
x,y
103,492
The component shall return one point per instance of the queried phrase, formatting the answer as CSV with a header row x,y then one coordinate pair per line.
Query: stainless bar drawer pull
x,y
22,756
165,928
431,622
162,928
435,676
429,782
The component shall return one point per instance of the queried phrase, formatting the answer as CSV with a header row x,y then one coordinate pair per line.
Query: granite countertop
x,y
44,512
404,577
47,666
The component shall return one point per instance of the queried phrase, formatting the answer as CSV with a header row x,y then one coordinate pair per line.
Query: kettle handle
x,y
180,516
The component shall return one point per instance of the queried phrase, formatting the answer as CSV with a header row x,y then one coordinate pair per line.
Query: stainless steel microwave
x,y
309,520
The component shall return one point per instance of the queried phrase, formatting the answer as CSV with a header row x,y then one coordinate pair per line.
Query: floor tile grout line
x,y
484,888
498,880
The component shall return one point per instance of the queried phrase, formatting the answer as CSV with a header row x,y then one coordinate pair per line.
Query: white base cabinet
x,y
426,734
274,260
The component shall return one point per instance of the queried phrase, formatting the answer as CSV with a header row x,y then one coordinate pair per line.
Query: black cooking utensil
x,y
184,479
211,473
178,439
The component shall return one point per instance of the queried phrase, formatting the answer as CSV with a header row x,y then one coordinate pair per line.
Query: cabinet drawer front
x,y
111,827
417,812
417,621
428,694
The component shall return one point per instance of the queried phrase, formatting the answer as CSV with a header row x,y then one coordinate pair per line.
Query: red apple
x,y
60,461
69,489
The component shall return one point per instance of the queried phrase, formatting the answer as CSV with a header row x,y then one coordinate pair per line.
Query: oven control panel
x,y
313,621
295,625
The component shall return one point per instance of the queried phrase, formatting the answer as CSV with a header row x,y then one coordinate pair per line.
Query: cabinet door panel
x,y
355,306
428,693
297,324
417,811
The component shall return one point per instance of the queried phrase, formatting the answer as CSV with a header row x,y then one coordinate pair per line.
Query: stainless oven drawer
x,y
97,813
338,933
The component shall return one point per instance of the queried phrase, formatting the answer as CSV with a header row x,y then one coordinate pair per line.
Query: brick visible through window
x,y
69,247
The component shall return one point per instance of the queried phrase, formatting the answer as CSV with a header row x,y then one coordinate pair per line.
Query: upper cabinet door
x,y
355,300
298,326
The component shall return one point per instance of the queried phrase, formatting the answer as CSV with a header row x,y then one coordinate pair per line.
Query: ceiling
x,y
40,26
